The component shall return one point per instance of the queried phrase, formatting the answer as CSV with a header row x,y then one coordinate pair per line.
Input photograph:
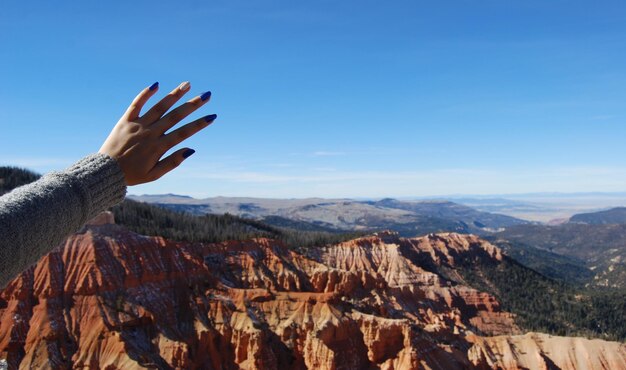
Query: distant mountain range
x,y
409,218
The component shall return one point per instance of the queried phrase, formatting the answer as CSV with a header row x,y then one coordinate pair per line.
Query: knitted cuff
x,y
102,181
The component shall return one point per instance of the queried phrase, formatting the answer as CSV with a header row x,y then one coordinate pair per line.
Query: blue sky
x,y
331,98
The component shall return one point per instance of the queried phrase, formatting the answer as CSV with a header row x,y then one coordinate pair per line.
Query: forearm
x,y
37,217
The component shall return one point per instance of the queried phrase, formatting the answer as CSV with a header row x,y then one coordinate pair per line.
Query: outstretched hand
x,y
138,142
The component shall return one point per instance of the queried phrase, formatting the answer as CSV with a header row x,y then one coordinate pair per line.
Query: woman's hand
x,y
139,142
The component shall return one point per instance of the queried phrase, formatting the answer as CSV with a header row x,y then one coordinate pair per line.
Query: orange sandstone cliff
x,y
112,299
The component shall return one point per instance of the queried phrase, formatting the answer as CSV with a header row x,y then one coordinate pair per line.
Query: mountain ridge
x,y
616,215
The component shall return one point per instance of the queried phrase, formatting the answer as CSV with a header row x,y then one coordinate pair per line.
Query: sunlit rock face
x,y
112,299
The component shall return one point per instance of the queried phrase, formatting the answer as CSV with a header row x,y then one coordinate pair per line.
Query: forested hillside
x,y
147,219
545,305
598,247
12,177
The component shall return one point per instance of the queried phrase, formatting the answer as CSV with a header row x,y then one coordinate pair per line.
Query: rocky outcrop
x,y
109,299
542,351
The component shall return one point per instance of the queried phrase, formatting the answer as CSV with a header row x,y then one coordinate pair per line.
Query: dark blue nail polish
x,y
210,117
187,153
154,86
205,96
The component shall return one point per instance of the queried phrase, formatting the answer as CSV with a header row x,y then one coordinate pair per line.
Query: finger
x,y
135,107
178,114
177,136
169,163
155,113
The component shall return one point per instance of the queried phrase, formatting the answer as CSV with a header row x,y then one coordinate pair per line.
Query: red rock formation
x,y
542,351
110,299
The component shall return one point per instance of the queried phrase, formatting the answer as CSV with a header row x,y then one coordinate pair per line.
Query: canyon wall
x,y
111,299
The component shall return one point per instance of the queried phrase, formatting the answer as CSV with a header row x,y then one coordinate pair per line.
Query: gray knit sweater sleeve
x,y
36,217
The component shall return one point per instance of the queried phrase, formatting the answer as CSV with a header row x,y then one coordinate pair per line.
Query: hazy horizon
x,y
511,196
538,207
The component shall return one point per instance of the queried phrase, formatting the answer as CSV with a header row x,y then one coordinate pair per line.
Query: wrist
x,y
101,180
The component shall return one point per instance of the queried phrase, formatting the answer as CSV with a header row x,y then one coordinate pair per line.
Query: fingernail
x,y
187,153
154,86
205,96
184,86
210,117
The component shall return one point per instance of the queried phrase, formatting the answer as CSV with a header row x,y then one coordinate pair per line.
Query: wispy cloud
x,y
323,153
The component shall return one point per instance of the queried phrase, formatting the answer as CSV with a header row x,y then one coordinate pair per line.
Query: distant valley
x,y
551,208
